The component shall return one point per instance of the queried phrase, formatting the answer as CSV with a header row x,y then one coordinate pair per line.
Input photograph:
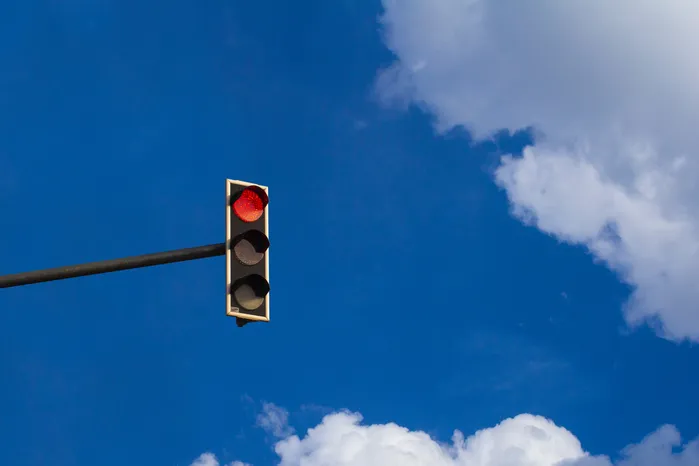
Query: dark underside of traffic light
x,y
247,254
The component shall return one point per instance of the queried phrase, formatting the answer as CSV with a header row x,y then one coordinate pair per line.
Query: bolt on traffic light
x,y
247,258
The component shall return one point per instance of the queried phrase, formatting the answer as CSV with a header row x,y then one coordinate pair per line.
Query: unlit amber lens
x,y
246,253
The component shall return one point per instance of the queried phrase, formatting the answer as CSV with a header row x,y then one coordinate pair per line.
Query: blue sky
x,y
403,286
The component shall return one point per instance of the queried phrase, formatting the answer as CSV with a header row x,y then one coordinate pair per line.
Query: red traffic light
x,y
250,204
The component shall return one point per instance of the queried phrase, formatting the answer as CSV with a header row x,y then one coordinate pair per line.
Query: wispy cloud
x,y
274,420
209,459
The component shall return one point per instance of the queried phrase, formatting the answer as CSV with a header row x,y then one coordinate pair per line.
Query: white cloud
x,y
612,89
209,459
274,420
342,440
206,459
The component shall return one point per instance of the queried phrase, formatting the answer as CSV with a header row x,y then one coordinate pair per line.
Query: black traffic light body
x,y
247,252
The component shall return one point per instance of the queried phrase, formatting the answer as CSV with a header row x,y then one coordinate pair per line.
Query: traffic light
x,y
247,258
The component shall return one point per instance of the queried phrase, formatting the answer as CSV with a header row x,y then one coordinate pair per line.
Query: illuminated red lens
x,y
249,206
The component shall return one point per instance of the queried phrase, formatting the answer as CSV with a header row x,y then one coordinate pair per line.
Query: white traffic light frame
x,y
229,254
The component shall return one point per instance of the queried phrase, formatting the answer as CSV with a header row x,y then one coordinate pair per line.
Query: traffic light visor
x,y
250,204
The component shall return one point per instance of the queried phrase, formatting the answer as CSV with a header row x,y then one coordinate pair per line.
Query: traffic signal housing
x,y
247,256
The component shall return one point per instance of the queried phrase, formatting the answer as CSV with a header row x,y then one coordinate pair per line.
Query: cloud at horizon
x,y
525,440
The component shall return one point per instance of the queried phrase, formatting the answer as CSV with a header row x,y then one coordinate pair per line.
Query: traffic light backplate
x,y
247,252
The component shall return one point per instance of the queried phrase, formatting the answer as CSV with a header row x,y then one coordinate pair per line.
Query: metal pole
x,y
114,265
